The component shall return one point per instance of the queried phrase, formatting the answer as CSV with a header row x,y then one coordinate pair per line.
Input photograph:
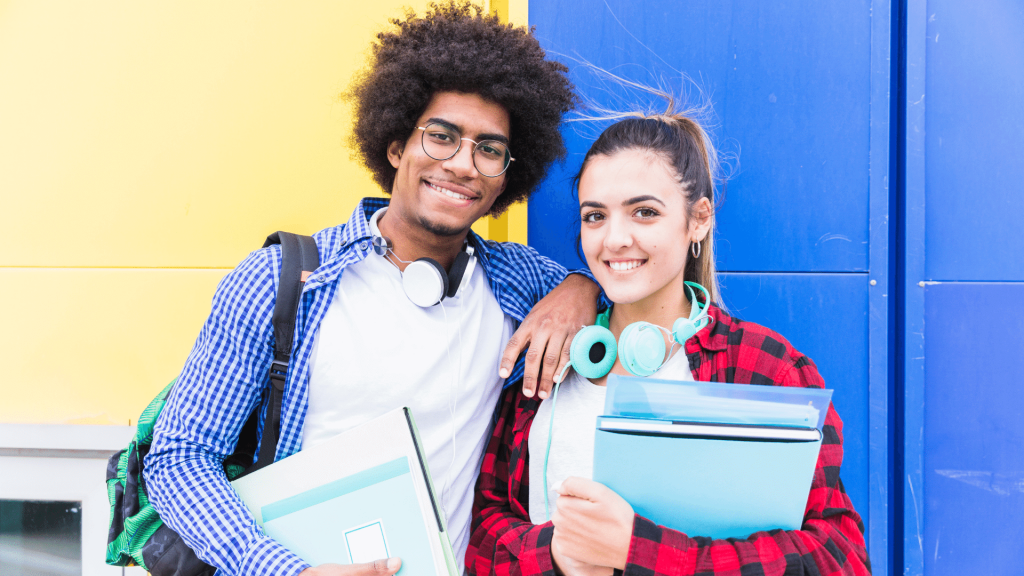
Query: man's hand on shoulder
x,y
384,567
548,330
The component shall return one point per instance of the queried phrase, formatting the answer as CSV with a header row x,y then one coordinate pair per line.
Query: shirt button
x,y
364,246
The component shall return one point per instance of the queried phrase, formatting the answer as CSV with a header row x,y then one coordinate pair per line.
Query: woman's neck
x,y
661,308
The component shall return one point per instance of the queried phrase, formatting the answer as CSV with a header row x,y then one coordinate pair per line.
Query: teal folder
x,y
364,495
714,479
359,518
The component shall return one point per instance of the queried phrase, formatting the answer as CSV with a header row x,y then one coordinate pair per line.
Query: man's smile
x,y
451,190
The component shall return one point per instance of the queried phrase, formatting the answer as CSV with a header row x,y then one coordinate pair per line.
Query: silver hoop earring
x,y
695,249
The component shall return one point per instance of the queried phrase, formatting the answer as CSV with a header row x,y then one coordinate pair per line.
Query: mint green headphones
x,y
641,348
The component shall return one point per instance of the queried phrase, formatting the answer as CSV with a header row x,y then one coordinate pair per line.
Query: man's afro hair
x,y
454,48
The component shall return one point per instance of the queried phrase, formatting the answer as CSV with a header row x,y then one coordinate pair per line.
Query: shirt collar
x,y
716,336
357,229
358,226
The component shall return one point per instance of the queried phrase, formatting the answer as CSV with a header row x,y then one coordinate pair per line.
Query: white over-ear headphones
x,y
425,281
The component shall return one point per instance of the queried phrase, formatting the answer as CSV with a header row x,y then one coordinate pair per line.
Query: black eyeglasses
x,y
490,157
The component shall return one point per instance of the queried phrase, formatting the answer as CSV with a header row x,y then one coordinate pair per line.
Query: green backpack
x,y
137,536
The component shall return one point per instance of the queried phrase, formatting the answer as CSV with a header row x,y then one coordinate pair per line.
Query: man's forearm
x,y
583,281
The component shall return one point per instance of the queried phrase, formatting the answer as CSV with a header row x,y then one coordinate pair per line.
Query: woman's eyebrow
x,y
591,204
639,199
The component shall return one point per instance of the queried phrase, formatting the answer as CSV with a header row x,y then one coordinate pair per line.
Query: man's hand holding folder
x,y
382,567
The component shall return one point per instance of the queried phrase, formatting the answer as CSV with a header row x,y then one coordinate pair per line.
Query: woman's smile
x,y
625,265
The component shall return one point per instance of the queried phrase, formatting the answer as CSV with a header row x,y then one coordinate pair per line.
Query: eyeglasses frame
x,y
459,148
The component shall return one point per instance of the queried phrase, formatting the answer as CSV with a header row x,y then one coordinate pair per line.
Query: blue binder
x,y
715,479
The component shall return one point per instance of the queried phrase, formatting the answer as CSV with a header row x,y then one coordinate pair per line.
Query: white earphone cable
x,y
457,376
451,409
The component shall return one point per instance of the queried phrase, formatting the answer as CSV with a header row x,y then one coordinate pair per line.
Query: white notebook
x,y
363,495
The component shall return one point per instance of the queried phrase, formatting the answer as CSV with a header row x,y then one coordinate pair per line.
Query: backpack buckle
x,y
278,373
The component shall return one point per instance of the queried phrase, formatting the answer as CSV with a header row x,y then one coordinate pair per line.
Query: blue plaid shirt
x,y
226,374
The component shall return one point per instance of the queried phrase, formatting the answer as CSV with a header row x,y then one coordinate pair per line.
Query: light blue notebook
x,y
356,519
715,402
361,496
707,486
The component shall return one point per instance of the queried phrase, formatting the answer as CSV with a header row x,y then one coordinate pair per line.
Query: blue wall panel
x,y
973,498
975,122
554,221
825,317
790,85
964,336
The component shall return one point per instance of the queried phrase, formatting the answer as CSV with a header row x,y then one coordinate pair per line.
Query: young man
x,y
457,117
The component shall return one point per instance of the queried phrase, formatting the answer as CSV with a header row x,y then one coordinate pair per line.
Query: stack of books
x,y
708,459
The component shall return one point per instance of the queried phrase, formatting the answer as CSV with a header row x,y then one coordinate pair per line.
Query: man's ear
x,y
395,151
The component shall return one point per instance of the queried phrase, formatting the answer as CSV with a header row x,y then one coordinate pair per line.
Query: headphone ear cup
x,y
641,348
683,329
425,282
592,353
381,245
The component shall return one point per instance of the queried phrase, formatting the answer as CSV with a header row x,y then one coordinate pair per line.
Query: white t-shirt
x,y
580,402
376,351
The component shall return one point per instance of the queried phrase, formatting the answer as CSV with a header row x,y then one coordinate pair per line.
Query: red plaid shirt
x,y
831,541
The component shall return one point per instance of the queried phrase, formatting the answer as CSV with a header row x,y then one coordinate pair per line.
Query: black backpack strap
x,y
299,257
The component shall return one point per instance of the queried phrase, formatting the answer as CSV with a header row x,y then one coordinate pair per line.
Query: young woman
x,y
646,191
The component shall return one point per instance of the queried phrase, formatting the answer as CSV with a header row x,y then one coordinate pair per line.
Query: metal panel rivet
x,y
874,282
921,283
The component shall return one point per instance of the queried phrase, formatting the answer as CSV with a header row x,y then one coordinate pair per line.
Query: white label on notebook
x,y
366,543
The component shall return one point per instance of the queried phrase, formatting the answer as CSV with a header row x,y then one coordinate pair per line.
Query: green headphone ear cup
x,y
641,348
683,329
592,353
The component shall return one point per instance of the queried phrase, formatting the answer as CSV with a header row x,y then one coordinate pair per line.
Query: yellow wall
x,y
146,148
